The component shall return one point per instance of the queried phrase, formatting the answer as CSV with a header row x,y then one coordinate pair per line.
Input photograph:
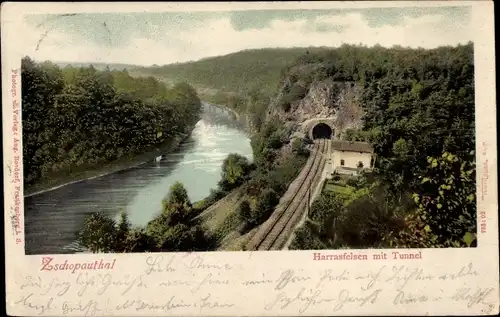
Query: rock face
x,y
324,99
319,101
349,114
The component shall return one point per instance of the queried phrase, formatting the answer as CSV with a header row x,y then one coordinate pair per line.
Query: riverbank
x,y
243,118
110,168
123,163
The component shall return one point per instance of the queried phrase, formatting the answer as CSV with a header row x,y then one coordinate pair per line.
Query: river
x,y
53,218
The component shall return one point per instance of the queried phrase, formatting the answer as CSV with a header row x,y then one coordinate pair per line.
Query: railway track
x,y
273,233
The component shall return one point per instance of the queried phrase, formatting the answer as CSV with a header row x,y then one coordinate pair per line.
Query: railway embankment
x,y
275,232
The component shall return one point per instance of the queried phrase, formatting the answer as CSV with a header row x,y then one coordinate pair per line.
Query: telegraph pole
x,y
309,199
308,203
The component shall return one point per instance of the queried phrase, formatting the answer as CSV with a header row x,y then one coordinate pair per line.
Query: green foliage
x,y
230,223
215,194
177,214
367,219
299,147
137,240
244,81
421,104
417,104
446,200
173,230
177,195
183,238
324,211
243,72
277,176
264,206
271,177
122,231
401,148
171,236
354,217
353,135
295,93
77,119
245,212
98,234
358,182
267,141
235,170
157,229
306,238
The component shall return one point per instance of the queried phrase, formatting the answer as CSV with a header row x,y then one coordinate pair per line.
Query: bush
x,y
230,223
324,210
122,232
264,207
275,141
215,194
98,233
298,147
138,241
235,170
244,211
177,214
296,92
356,182
306,239
177,195
157,230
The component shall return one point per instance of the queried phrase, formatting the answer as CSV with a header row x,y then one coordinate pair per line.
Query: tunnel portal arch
x,y
321,130
311,126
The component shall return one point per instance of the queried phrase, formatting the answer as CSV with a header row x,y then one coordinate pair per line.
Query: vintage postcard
x,y
250,159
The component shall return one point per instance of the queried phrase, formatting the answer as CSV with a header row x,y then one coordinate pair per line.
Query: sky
x,y
170,37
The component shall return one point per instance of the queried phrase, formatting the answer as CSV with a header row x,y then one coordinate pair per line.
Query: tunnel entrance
x,y
322,131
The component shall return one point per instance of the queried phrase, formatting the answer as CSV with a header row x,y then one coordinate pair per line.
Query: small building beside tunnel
x,y
351,157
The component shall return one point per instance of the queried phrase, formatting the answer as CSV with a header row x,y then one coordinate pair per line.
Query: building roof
x,y
349,146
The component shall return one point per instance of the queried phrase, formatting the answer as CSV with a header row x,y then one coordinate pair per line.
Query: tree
x,y
324,211
264,207
245,214
446,214
157,230
78,118
177,195
306,238
98,233
138,241
235,169
177,213
122,231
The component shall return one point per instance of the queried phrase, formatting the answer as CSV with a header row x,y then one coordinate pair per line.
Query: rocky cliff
x,y
305,95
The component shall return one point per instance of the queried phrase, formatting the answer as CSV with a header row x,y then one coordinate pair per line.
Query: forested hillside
x,y
239,72
77,119
418,110
244,81
419,116
418,113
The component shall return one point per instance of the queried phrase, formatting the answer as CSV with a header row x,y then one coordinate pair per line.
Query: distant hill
x,y
243,71
98,66
237,72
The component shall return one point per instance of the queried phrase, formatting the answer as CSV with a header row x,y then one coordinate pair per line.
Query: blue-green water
x,y
53,218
